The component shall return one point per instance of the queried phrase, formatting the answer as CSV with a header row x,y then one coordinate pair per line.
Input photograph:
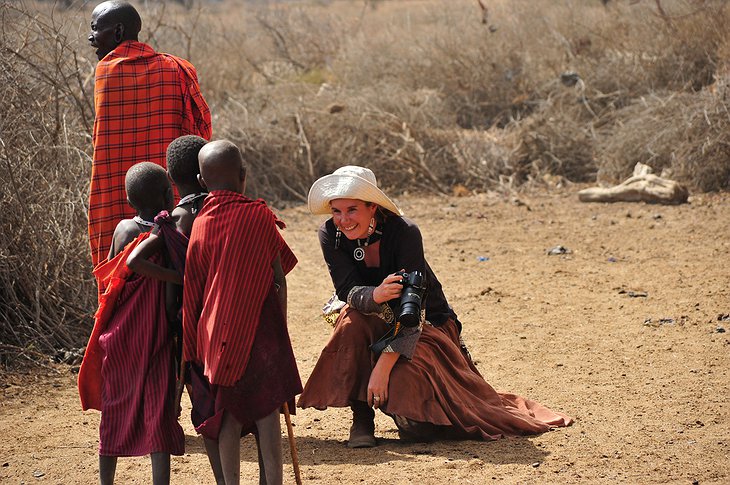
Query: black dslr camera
x,y
411,298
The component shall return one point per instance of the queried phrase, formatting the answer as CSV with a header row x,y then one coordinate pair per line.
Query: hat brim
x,y
341,186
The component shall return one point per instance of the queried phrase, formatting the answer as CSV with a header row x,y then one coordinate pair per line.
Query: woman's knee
x,y
356,325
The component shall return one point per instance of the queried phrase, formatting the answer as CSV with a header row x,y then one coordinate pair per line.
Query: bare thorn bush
x,y
430,98
45,96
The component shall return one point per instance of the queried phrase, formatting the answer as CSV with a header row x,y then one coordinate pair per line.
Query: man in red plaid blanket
x,y
143,100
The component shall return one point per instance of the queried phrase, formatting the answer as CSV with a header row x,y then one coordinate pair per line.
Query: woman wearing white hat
x,y
388,355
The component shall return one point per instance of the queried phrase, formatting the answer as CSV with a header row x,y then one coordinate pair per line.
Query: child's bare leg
x,y
214,457
229,448
269,430
107,468
160,468
262,468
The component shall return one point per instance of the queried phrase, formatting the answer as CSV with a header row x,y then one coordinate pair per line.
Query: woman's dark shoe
x,y
362,431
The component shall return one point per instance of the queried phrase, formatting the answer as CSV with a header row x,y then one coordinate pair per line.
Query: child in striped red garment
x,y
128,369
234,319
174,232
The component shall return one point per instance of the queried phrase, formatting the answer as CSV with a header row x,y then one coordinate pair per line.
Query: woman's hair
x,y
384,213
381,214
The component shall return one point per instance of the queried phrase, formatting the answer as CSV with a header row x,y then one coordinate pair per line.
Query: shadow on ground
x,y
316,451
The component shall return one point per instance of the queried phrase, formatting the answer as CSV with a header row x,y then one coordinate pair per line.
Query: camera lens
x,y
410,301
409,315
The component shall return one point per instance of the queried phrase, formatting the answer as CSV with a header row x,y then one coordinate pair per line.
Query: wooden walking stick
x,y
292,445
180,383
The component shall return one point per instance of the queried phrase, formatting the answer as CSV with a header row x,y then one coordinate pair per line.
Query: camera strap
x,y
386,339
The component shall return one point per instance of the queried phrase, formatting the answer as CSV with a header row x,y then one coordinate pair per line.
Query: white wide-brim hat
x,y
348,182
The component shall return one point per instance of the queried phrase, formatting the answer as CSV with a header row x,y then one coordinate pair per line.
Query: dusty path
x,y
645,376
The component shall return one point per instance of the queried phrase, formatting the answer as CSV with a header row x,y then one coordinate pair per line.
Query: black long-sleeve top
x,y
401,247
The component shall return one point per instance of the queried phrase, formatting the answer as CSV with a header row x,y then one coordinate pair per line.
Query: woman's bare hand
x,y
389,289
379,379
378,389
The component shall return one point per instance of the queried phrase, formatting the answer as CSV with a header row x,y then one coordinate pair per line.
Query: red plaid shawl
x,y
143,101
228,274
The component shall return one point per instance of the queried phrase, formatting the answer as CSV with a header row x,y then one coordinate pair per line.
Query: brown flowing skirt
x,y
440,385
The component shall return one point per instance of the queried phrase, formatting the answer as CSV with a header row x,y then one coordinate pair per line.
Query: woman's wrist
x,y
385,364
378,296
362,298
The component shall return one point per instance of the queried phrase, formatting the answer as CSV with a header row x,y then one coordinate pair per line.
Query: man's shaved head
x,y
222,166
112,23
119,11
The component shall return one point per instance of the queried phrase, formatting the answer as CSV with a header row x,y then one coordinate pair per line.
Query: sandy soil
x,y
646,377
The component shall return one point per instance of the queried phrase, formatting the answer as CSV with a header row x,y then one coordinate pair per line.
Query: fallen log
x,y
643,186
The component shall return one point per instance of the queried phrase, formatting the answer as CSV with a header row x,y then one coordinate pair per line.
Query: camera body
x,y
411,298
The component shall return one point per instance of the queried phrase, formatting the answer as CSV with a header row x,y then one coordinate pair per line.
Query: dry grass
x,y
429,97
45,283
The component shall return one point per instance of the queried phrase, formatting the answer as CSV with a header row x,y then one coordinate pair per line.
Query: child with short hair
x,y
127,372
234,319
183,170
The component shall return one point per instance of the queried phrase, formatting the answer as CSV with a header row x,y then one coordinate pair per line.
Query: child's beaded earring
x,y
371,227
338,234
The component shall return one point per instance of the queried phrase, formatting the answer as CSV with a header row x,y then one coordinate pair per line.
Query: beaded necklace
x,y
359,252
142,222
192,198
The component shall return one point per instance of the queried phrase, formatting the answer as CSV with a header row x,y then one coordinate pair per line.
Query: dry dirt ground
x,y
625,333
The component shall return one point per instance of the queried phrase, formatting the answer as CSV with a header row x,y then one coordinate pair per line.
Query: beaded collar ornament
x,y
190,198
142,222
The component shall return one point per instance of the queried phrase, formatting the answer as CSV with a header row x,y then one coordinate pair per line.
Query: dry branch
x,y
428,98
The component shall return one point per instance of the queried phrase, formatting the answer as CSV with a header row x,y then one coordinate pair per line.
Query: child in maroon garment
x,y
183,170
128,371
234,318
